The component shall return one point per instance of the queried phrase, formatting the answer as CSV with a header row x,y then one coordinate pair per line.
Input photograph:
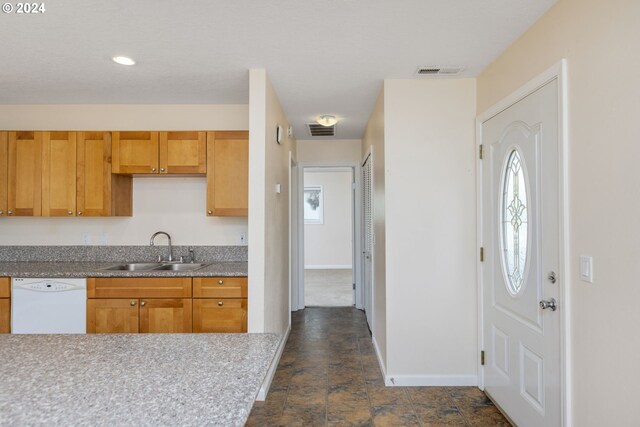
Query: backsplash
x,y
119,253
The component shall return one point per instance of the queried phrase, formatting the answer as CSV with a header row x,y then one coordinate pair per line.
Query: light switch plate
x,y
586,268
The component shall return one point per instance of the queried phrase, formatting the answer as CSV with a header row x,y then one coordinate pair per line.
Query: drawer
x,y
220,315
5,287
139,287
220,287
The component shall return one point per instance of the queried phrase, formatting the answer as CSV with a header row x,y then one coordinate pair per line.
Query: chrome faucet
x,y
170,257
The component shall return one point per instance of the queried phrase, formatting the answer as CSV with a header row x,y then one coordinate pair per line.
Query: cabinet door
x,y
99,193
183,152
227,173
112,316
25,174
59,174
135,152
5,305
220,315
165,315
4,162
5,315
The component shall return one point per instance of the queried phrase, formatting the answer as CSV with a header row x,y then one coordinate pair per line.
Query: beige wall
x,y
598,38
268,210
124,117
330,150
430,231
329,245
184,217
374,141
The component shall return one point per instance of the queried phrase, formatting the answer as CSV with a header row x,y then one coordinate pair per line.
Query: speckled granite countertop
x,y
94,269
132,380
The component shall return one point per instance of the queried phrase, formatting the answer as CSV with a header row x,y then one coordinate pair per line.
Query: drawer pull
x,y
220,303
132,303
220,282
142,304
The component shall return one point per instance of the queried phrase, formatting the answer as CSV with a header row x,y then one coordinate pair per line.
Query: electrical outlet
x,y
243,238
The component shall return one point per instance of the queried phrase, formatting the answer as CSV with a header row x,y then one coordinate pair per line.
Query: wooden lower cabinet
x,y
165,316
112,316
220,315
165,305
5,305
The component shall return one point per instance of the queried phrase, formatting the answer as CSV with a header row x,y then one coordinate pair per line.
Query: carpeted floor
x,y
328,288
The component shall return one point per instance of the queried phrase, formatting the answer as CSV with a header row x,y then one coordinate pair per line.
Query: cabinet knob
x,y
1,212
220,282
79,212
220,303
153,169
132,303
161,169
210,212
10,212
142,304
69,212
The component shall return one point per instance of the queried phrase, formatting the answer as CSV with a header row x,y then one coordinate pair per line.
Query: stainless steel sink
x,y
181,267
135,266
138,266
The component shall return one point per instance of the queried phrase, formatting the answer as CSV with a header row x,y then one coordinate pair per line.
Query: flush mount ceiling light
x,y
327,120
123,60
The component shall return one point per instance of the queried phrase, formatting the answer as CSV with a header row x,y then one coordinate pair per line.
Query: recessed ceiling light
x,y
123,60
327,120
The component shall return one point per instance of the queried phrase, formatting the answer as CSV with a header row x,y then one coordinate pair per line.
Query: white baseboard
x,y
328,267
266,384
430,380
380,361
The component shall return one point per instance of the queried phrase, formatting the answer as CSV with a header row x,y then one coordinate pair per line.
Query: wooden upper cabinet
x,y
170,316
183,152
228,173
4,163
135,152
59,173
100,193
112,316
25,174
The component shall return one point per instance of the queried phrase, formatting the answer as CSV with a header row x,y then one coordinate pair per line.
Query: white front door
x,y
520,220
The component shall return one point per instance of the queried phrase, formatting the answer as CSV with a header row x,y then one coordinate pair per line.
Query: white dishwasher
x,y
48,306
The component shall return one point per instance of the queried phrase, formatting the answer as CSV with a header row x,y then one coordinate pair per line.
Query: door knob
x,y
9,212
142,304
132,303
79,213
209,212
161,169
1,212
69,212
550,303
153,169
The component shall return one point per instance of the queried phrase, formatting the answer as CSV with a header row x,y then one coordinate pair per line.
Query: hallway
x,y
329,376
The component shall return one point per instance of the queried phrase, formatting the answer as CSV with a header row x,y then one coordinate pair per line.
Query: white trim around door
x,y
559,72
297,292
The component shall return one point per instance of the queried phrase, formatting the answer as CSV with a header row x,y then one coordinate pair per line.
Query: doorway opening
x,y
329,271
328,243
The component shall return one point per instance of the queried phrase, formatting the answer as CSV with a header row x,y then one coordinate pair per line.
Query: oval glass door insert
x,y
514,222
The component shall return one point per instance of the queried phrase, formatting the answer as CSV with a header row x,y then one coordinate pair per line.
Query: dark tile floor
x,y
329,376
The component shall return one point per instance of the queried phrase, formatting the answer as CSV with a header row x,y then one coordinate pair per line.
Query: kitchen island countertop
x,y
137,380
95,269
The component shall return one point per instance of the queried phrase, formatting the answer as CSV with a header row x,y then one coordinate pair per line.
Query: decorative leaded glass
x,y
514,222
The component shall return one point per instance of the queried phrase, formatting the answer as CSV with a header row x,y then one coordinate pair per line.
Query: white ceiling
x,y
323,57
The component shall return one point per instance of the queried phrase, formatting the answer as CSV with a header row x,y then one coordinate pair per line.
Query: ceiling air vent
x,y
316,129
439,71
